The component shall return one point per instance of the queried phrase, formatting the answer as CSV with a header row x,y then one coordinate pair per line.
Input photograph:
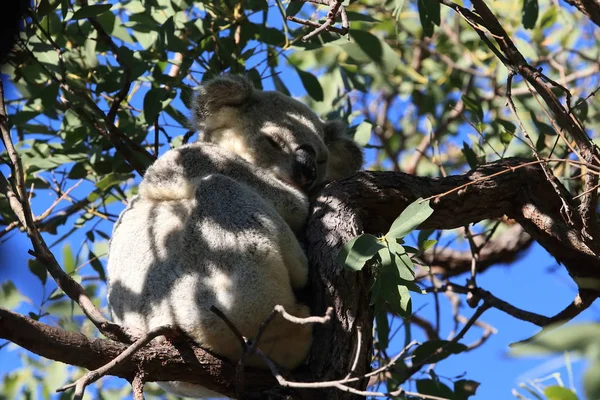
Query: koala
x,y
215,223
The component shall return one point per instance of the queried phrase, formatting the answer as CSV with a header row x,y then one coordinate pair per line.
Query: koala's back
x,y
222,247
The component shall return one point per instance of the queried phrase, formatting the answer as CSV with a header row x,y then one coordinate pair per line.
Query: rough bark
x,y
589,8
370,201
177,361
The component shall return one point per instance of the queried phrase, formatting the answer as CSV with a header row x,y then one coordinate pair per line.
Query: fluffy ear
x,y
345,156
224,91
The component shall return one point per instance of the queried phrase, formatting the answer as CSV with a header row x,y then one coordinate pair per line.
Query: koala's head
x,y
275,132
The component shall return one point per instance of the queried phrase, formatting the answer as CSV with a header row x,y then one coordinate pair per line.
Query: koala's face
x,y
274,132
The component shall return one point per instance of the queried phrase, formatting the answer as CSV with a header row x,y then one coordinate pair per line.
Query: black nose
x,y
305,167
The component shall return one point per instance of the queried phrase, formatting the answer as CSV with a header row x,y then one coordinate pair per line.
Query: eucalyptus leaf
x,y
358,251
559,393
435,351
91,11
412,216
311,84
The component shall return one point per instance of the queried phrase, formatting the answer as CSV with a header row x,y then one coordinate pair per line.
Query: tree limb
x,y
178,360
589,8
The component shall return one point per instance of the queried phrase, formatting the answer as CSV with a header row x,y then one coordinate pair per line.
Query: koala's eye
x,y
273,143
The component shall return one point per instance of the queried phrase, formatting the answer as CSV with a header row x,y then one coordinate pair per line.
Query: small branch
x,y
137,386
313,24
341,384
579,304
250,347
231,326
93,376
335,8
506,248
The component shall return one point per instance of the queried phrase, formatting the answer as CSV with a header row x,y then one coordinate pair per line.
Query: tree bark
x,y
370,201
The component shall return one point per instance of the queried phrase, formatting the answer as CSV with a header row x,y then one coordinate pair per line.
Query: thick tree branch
x,y
370,201
517,189
178,360
589,8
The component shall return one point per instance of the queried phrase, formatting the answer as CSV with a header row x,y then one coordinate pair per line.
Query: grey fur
x,y
214,224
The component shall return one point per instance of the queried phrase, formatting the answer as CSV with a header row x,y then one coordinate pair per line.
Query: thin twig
x,y
335,8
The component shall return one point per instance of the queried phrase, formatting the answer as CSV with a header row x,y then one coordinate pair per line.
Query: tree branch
x,y
169,361
589,8
503,249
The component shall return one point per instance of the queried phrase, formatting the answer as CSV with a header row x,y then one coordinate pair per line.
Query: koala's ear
x,y
345,156
224,91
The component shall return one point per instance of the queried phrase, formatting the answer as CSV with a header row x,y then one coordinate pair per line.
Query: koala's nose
x,y
305,167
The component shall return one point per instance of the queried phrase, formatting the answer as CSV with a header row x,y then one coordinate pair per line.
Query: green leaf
x,y
68,259
111,180
363,133
153,104
358,251
531,10
470,156
405,301
581,109
355,16
577,337
426,245
474,106
465,388
279,85
396,296
383,329
38,269
368,43
402,261
509,126
45,7
429,15
559,393
549,17
412,216
311,84
436,388
430,352
591,383
10,297
91,11
293,8
96,265
506,137
433,10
